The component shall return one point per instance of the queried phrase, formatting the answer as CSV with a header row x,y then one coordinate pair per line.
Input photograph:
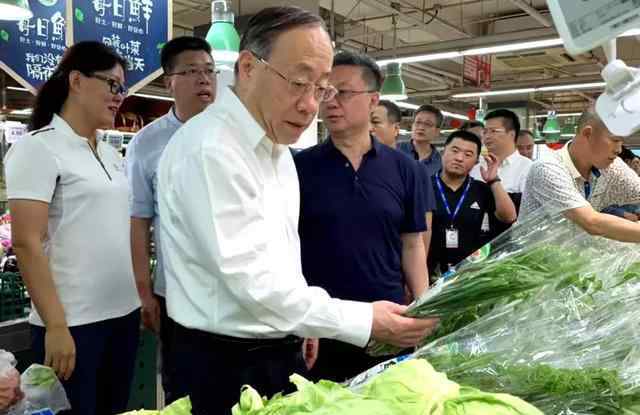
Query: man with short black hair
x,y
501,130
190,77
361,211
526,143
463,204
385,122
427,122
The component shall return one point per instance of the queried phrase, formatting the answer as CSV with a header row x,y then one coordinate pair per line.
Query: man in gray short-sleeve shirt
x,y
583,178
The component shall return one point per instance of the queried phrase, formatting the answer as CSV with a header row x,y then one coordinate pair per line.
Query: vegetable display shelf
x,y
14,299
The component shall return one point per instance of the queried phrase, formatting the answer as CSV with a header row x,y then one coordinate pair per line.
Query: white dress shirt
x,y
229,204
512,172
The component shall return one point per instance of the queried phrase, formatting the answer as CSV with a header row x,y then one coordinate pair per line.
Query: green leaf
x,y
79,14
159,46
4,35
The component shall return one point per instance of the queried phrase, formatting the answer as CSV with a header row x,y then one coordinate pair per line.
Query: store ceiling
x,y
428,25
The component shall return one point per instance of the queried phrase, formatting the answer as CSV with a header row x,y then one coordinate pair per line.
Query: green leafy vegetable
x,y
412,387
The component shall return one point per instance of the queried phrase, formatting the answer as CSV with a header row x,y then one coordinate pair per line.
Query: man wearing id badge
x,y
464,206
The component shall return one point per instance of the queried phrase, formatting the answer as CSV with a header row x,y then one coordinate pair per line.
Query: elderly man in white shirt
x,y
583,178
229,205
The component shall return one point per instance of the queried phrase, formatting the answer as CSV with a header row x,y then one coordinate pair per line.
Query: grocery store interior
x,y
465,57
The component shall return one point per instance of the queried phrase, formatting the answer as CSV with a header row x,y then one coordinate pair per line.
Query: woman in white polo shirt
x,y
68,198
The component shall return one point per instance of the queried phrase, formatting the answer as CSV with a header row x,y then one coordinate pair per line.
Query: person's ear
x,y
246,64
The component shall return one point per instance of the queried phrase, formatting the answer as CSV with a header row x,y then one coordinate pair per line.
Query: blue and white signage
x,y
137,29
31,49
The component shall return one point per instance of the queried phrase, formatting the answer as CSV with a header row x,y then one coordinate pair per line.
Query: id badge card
x,y
451,237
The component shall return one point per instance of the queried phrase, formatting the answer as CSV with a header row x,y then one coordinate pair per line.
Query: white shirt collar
x,y
251,132
63,126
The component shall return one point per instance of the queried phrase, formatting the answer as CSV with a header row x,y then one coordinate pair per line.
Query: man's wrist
x,y
493,181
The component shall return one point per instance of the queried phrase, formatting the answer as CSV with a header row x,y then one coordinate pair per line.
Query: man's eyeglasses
x,y
486,131
343,95
196,72
114,86
299,88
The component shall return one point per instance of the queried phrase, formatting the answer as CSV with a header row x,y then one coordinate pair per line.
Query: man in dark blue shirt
x,y
362,211
385,126
464,206
427,121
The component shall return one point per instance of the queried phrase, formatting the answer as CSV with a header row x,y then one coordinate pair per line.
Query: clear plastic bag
x,y
533,254
570,349
35,390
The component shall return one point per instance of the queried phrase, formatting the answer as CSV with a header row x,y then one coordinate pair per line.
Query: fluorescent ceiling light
x,y
422,58
454,115
567,114
17,88
158,97
410,106
569,87
407,105
513,47
494,93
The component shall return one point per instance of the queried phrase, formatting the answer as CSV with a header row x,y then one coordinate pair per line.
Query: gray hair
x,y
264,27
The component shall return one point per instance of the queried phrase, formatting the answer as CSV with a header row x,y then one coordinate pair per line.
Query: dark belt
x,y
246,344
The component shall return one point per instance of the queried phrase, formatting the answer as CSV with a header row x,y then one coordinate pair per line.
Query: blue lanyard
x,y
452,216
587,190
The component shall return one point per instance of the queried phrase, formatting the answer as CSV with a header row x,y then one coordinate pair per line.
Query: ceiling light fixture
x,y
158,97
410,106
569,87
509,47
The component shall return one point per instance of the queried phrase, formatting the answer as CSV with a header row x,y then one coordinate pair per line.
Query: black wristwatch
x,y
491,182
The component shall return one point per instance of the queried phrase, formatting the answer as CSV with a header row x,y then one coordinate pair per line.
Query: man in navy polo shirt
x,y
362,211
464,206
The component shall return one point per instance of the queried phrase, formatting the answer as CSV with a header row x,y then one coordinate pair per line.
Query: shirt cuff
x,y
357,320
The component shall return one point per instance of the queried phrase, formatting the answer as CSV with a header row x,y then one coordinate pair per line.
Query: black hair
x,y
525,132
510,120
393,111
371,72
466,136
471,124
86,57
265,26
626,154
176,46
433,110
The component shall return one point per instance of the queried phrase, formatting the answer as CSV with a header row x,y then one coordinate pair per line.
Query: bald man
x,y
583,178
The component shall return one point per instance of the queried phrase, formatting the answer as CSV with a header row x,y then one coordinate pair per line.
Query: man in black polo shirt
x,y
361,211
464,205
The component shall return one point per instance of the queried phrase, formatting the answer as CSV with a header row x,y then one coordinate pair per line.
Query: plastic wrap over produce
x,y
538,252
572,348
